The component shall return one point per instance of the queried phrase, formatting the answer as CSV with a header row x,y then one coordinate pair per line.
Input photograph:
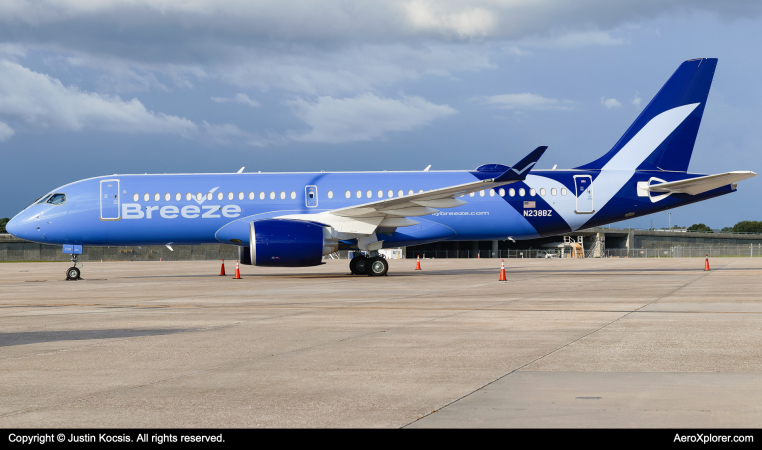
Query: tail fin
x,y
662,137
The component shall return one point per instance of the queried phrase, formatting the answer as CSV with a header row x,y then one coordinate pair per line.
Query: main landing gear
x,y
72,273
375,266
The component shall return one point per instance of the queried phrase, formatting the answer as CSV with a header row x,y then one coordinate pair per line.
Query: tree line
x,y
744,226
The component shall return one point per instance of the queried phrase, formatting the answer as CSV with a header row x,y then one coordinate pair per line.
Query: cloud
x,y
527,101
610,102
5,132
130,23
41,100
238,98
330,47
363,117
636,100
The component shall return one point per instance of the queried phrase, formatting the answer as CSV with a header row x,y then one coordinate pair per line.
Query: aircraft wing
x,y
700,185
364,219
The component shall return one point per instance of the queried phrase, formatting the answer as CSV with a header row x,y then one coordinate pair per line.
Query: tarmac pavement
x,y
562,343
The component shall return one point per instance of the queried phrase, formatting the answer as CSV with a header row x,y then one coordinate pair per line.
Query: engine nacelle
x,y
289,243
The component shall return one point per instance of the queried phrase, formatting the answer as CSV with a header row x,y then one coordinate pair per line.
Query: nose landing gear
x,y
72,273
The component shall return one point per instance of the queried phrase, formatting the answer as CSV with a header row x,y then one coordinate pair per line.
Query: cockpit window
x,y
57,199
41,199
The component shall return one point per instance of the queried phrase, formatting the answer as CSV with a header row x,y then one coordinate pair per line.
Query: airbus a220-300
x,y
295,219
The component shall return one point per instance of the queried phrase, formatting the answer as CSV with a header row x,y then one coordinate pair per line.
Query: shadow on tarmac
x,y
37,337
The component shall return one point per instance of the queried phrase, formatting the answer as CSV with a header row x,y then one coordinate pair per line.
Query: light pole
x,y
670,219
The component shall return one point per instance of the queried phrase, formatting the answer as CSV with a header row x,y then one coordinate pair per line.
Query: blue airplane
x,y
294,219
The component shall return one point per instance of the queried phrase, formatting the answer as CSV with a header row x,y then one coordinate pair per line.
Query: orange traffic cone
x,y
237,273
418,263
706,263
502,271
222,269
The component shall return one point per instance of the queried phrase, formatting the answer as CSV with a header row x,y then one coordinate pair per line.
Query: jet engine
x,y
289,243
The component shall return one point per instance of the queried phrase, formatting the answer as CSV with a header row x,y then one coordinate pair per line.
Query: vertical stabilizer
x,y
662,137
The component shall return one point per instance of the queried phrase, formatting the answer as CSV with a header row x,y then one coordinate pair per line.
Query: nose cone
x,y
13,227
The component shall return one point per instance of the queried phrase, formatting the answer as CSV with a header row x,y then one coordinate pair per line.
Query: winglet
x,y
520,170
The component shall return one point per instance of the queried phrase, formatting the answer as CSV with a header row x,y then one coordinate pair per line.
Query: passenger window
x,y
282,195
420,191
347,194
553,192
57,199
178,197
481,193
146,197
522,192
188,196
209,195
293,195
472,194
542,192
199,196
167,197
390,193
272,195
369,194
502,192
359,194
261,195
491,192
156,197
251,196
400,193
135,197
563,191
380,194
410,192
230,196
512,192
532,192
330,194
240,196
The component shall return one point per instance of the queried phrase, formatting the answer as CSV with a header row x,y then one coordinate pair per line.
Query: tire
x,y
359,265
377,267
72,273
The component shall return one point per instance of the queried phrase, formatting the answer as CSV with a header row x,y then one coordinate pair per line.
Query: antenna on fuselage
x,y
241,171
427,168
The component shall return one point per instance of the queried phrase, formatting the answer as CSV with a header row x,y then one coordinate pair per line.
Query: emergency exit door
x,y
583,184
311,196
110,206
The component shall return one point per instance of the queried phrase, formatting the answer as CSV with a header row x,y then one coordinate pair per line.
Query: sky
x,y
98,87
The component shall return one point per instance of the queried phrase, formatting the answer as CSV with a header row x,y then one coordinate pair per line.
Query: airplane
x,y
295,219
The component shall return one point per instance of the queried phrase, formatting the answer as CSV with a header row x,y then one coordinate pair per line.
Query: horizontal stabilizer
x,y
695,186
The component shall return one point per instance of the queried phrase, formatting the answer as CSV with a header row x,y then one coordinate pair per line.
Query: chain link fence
x,y
667,252
694,251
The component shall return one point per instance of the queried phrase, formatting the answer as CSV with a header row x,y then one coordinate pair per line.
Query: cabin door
x,y
583,185
110,206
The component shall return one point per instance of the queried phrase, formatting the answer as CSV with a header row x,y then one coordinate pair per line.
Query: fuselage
x,y
217,208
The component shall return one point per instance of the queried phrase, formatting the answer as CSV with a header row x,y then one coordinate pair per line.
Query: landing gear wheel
x,y
377,267
359,265
72,273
